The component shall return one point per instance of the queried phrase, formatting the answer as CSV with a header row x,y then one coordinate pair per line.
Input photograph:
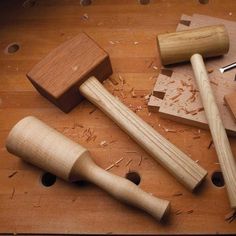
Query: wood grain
x,y
27,206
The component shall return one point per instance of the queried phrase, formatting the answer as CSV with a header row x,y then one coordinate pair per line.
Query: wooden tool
x,y
66,73
39,144
208,41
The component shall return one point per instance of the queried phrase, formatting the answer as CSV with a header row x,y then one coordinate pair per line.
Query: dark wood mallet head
x,y
59,75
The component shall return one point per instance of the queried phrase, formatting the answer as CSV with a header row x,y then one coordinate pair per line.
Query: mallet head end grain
x,y
58,76
209,41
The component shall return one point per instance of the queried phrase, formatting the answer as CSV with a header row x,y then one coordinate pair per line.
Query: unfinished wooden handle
x,y
179,164
39,144
222,146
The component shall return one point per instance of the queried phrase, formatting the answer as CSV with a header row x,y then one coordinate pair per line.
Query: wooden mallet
x,y
70,71
193,45
39,144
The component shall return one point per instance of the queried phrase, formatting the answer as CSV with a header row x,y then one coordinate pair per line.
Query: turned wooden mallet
x,y
70,71
193,45
43,146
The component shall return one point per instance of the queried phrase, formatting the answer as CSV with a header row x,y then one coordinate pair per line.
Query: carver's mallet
x,y
69,72
39,144
192,45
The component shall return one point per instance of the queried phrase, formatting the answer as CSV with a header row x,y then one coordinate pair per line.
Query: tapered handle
x,y
220,139
120,188
179,164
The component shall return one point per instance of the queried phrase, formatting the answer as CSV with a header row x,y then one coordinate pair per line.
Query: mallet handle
x,y
120,188
39,144
179,164
220,139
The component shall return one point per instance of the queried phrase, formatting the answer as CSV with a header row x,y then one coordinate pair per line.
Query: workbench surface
x,y
127,31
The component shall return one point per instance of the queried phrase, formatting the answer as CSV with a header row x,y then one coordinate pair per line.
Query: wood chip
x,y
114,164
12,174
176,96
178,212
85,16
128,162
177,194
140,161
213,82
155,67
92,111
189,212
210,144
103,143
231,216
133,95
209,71
13,193
169,130
111,42
135,43
113,80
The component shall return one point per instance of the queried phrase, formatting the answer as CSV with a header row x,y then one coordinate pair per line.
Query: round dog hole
x,y
218,179
133,177
48,179
12,48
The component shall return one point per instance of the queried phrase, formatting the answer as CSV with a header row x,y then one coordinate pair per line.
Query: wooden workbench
x,y
126,30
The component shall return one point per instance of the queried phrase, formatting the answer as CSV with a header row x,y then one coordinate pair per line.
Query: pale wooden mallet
x,y
43,146
193,45
70,71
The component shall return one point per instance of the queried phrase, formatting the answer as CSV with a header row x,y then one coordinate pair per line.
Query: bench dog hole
x,y
48,179
12,48
218,179
133,177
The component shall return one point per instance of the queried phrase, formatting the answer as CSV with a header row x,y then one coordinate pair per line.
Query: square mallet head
x,y
59,75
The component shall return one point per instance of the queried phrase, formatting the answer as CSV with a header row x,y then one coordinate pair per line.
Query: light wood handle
x,y
220,139
179,164
120,188
43,146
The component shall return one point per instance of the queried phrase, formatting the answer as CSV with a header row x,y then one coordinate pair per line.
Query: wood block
x,y
181,101
58,76
230,101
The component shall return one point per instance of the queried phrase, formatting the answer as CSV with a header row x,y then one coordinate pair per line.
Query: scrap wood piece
x,y
230,101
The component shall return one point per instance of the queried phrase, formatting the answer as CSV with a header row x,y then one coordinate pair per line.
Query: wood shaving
x,y
189,212
135,43
213,82
133,95
169,130
209,71
177,194
13,193
231,216
197,137
114,164
140,161
122,80
12,174
92,111
85,16
111,42
128,162
89,135
113,80
103,143
210,144
155,67
197,161
178,212
176,96
130,152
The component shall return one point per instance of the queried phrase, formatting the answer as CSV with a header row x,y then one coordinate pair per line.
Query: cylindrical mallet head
x,y
208,41
43,146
